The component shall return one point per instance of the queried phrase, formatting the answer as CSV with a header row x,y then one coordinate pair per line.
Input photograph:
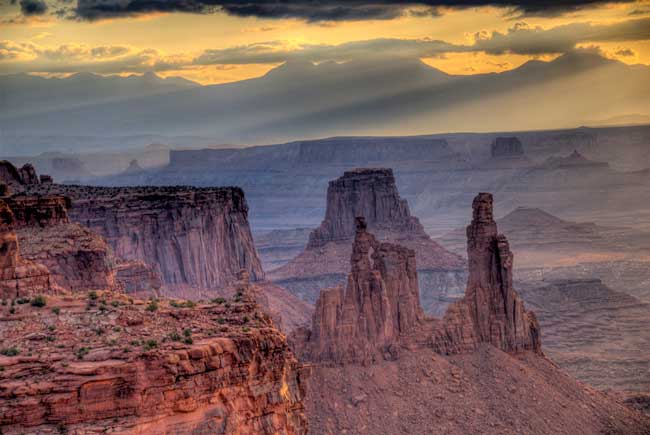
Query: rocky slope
x,y
597,335
371,193
17,178
104,362
382,367
196,239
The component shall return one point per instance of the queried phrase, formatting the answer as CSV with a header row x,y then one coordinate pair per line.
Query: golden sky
x,y
216,47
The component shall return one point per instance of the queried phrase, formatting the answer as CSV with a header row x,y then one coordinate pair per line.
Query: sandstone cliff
x,y
17,178
110,364
195,238
18,277
371,193
78,259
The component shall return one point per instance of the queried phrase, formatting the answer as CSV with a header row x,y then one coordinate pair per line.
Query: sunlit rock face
x,y
169,370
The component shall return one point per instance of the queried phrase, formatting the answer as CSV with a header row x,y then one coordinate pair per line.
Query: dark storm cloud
x,y
33,7
317,10
521,39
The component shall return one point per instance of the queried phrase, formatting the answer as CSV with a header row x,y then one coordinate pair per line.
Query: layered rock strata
x,y
18,277
137,278
116,365
78,259
194,238
379,311
17,178
496,311
371,193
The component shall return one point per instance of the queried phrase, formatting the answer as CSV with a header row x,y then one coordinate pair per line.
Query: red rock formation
x,y
371,193
135,277
18,277
196,238
41,210
491,311
17,178
380,310
108,365
379,305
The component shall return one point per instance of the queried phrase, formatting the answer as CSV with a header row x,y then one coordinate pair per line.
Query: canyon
x,y
381,366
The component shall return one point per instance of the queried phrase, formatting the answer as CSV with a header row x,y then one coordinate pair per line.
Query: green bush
x,y
153,306
150,344
39,301
82,352
92,295
56,310
218,300
10,351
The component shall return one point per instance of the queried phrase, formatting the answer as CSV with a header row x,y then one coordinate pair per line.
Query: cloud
x,y
316,10
33,7
522,39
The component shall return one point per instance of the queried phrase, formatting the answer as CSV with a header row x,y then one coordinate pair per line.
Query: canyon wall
x,y
18,277
194,238
77,258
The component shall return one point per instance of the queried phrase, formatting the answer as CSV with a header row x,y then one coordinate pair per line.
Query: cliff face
x,y
170,370
372,194
18,277
78,259
193,238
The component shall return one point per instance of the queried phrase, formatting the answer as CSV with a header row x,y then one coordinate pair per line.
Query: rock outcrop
x,y
196,239
379,311
497,312
17,178
116,365
137,278
379,305
371,193
18,277
78,259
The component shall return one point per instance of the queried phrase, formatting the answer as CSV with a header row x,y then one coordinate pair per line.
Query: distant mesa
x,y
504,147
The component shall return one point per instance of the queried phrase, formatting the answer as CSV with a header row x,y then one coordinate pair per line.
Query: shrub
x,y
188,340
187,332
82,352
218,300
92,295
22,301
116,303
39,301
51,328
174,336
56,310
153,306
150,344
245,329
10,351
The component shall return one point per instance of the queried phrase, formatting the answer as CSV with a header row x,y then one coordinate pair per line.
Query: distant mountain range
x,y
302,100
24,94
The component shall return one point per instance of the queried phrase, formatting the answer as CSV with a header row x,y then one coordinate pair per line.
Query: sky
x,y
212,41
